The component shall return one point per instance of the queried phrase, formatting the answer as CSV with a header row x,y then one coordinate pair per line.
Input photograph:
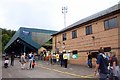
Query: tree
x,y
6,36
5,39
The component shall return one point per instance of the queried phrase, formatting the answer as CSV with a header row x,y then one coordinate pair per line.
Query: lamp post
x,y
64,11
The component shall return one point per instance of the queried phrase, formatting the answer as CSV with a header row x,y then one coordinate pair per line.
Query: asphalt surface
x,y
44,69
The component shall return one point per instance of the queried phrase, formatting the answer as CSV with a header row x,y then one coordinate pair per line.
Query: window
x,y
64,37
94,54
111,23
89,30
75,52
107,49
74,34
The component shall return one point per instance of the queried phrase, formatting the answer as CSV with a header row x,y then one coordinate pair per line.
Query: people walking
x,y
12,58
101,65
50,57
61,59
65,57
89,62
54,58
44,55
113,63
33,63
30,57
22,61
57,58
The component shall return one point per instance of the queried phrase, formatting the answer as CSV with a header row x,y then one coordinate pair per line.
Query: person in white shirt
x,y
30,57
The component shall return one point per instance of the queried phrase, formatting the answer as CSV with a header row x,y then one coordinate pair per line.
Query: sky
x,y
47,14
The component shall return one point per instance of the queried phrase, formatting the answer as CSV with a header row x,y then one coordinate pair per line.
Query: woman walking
x,y
22,61
114,65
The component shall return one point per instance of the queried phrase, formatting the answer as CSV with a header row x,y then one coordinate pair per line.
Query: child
x,y
6,61
33,63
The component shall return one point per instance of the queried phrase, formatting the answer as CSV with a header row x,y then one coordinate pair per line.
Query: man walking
x,y
89,60
61,59
65,57
30,56
101,65
12,58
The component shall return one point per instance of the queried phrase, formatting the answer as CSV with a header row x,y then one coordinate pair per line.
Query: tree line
x,y
5,36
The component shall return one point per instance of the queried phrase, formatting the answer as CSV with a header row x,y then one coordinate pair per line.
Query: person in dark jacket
x,y
101,65
12,59
61,59
65,58
89,60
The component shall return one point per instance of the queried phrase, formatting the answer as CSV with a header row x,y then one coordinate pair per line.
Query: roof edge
x,y
92,17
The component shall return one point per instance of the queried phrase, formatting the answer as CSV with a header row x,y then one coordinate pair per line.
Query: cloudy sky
x,y
47,14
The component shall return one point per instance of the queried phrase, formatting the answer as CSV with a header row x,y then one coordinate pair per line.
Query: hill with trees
x,y
5,36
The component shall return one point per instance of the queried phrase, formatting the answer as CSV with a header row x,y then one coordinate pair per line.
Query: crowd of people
x,y
106,62
107,66
29,58
24,58
56,58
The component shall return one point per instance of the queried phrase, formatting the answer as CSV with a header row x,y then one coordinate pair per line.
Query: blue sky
x,y
47,14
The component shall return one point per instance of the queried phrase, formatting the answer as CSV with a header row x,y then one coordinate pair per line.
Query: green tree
x,y
6,36
5,39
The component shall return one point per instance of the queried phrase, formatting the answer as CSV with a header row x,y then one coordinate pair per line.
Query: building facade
x,y
89,34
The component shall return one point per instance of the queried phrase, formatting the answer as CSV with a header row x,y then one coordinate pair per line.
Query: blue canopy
x,y
30,37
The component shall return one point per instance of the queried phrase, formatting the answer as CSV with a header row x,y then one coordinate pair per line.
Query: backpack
x,y
103,63
104,59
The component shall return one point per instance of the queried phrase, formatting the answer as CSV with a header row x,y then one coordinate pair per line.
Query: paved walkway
x,y
45,70
73,70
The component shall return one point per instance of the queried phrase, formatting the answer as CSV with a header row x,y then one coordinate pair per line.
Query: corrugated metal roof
x,y
94,16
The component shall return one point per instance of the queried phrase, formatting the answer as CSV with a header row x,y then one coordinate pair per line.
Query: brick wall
x,y
103,38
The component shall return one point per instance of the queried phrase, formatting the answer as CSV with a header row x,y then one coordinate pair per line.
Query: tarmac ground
x,y
43,69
